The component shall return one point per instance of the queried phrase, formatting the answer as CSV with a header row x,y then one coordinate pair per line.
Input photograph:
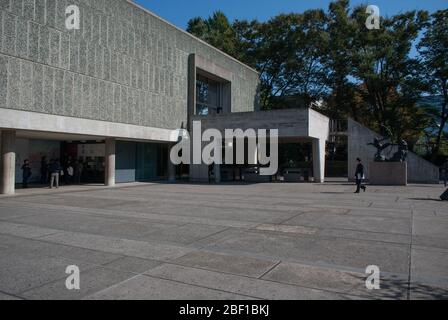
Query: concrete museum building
x,y
115,92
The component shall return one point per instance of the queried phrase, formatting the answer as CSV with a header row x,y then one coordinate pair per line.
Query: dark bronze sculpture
x,y
399,156
380,147
402,153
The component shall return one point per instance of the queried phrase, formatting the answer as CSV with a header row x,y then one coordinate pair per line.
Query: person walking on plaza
x,y
55,171
26,173
44,171
359,175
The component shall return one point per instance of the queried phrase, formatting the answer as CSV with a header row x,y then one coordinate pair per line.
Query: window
x,y
208,96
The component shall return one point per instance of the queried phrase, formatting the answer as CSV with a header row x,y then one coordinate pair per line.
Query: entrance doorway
x,y
141,162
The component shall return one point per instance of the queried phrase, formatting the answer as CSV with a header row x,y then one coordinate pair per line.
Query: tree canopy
x,y
375,76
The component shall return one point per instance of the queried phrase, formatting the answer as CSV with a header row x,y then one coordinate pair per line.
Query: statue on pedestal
x,y
380,147
399,156
402,154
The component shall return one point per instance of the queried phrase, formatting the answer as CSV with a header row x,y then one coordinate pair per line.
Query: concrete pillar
x,y
171,167
319,160
110,163
8,161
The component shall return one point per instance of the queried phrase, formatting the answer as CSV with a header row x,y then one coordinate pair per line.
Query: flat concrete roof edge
x,y
190,35
236,114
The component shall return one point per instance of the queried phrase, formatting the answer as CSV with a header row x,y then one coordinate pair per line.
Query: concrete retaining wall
x,y
419,169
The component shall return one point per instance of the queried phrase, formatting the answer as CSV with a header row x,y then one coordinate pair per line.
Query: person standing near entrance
x,y
359,175
26,173
55,171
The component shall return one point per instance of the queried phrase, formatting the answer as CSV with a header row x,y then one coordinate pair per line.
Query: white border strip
x,y
32,121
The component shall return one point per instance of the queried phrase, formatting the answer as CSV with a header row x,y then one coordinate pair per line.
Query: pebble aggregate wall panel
x,y
124,64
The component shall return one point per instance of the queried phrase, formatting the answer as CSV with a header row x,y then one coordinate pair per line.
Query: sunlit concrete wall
x,y
124,65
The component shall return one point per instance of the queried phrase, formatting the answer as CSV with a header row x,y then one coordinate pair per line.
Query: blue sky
x,y
179,12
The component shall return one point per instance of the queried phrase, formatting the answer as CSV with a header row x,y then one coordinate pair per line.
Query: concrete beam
x,y
8,161
110,163
319,160
33,121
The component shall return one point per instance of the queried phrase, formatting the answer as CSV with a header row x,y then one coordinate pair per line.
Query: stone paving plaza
x,y
260,241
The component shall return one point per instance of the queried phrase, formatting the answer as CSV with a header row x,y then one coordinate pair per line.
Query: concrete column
x,y
110,163
171,167
8,161
319,160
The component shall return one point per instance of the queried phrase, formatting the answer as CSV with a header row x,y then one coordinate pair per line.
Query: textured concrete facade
x,y
124,65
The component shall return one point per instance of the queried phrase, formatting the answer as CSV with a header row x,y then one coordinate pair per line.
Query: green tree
x,y
389,77
433,49
341,30
216,30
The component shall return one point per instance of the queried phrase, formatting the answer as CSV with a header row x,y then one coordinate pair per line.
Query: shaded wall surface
x,y
419,169
124,65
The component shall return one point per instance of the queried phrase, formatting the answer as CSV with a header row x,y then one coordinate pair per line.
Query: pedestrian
x,y
26,173
70,174
359,175
55,171
43,171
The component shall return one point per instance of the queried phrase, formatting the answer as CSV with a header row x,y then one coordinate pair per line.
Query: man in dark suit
x,y
359,175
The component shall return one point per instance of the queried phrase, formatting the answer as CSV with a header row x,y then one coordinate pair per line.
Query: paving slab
x,y
91,281
392,258
174,241
93,225
262,289
186,234
430,262
132,264
25,231
338,281
7,297
139,249
346,221
239,265
24,272
147,288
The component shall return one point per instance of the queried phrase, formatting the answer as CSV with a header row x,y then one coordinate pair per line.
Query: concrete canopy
x,y
292,125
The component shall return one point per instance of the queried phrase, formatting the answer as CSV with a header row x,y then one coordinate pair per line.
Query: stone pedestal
x,y
389,173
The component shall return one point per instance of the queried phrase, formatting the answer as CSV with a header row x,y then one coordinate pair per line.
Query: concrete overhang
x,y
68,128
291,123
